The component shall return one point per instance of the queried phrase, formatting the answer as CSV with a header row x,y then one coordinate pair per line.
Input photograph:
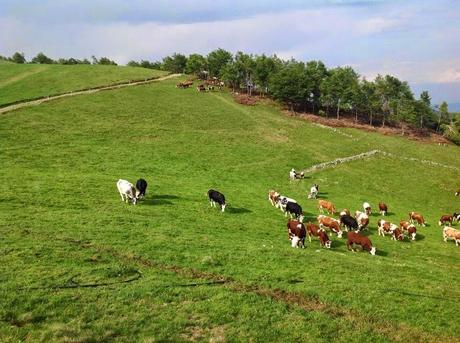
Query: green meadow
x,y
28,81
79,265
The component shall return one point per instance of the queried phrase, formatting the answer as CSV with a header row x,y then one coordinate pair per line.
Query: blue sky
x,y
417,41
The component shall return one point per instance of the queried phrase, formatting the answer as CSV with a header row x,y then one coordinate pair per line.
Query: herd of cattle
x,y
298,231
207,85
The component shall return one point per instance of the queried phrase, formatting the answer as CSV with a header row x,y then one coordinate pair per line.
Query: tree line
x,y
305,86
41,58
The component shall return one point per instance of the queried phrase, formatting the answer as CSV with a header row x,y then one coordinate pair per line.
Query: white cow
x,y
127,191
367,208
292,174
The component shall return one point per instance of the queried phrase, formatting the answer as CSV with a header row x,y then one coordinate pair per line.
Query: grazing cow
x,y
282,202
292,174
201,88
216,197
314,230
362,219
273,197
417,217
349,222
296,233
313,192
456,216
294,208
385,227
356,238
330,223
326,205
367,208
451,233
127,191
411,230
446,218
141,187
383,208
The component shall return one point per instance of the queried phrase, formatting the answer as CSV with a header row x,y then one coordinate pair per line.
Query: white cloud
x,y
377,25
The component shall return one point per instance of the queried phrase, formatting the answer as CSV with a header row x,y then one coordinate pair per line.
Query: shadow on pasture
x,y
294,281
165,196
389,214
381,253
238,210
418,237
337,242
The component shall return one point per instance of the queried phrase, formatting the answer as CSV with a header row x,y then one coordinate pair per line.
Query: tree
x,y
217,60
443,115
230,75
106,61
41,58
264,67
18,57
196,64
133,64
245,67
339,88
175,63
370,99
287,84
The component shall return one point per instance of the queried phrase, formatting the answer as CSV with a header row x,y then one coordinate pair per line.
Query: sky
x,y
415,40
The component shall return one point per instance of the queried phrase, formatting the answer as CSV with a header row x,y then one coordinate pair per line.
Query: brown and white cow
x,y
326,205
357,238
385,227
362,219
331,223
367,208
414,216
314,230
411,230
383,208
446,218
296,233
273,197
451,233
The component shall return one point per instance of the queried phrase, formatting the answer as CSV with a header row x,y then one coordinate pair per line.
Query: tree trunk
x,y
356,116
338,109
383,121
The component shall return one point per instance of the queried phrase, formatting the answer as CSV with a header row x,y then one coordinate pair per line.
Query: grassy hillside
x,y
26,81
208,275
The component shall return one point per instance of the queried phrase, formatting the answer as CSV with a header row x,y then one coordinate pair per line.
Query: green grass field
x,y
207,275
28,81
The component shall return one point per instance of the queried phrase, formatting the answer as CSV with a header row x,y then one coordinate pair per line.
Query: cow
x,y
216,197
367,208
282,202
330,223
313,191
446,218
451,233
457,193
356,238
385,227
362,219
141,187
314,230
411,230
383,208
201,88
417,217
456,216
273,197
127,191
294,208
296,233
349,222
326,205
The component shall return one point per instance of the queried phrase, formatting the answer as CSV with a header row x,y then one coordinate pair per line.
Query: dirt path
x,y
89,91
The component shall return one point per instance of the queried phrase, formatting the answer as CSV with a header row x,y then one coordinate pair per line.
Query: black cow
x,y
294,209
349,222
141,186
216,197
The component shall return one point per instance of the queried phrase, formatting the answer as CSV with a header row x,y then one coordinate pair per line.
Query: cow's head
x,y
456,216
301,218
295,242
339,234
373,251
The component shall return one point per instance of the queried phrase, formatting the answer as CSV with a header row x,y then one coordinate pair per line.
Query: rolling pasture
x,y
78,265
